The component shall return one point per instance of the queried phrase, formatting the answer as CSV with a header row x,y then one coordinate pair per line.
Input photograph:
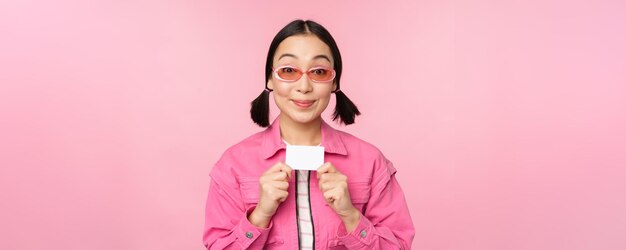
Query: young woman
x,y
352,201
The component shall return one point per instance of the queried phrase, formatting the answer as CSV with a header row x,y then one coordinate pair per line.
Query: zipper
x,y
311,210
297,210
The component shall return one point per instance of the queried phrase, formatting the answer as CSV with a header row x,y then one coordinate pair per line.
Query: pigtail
x,y
260,109
345,109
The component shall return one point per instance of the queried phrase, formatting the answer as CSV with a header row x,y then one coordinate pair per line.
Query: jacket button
x,y
363,233
249,235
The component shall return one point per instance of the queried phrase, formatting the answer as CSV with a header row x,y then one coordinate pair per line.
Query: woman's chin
x,y
303,118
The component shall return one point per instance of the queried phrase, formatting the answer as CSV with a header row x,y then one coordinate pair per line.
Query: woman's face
x,y
302,101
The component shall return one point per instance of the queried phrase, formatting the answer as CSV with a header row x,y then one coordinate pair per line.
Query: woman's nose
x,y
304,85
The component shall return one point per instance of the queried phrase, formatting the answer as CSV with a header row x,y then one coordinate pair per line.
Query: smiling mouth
x,y
303,104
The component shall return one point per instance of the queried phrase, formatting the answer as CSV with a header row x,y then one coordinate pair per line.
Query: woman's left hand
x,y
334,186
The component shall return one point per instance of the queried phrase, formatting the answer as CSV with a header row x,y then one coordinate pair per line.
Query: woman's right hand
x,y
273,186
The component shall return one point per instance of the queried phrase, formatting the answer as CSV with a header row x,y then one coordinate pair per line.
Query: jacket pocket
x,y
249,187
336,244
274,243
359,192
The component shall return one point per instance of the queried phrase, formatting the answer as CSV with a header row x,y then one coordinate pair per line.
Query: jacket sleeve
x,y
386,222
226,223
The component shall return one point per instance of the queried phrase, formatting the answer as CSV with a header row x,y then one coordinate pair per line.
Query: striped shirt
x,y
306,233
305,223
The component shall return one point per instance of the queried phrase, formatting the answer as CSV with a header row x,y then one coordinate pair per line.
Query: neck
x,y
304,134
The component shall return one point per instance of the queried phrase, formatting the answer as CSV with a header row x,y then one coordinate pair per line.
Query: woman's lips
x,y
303,103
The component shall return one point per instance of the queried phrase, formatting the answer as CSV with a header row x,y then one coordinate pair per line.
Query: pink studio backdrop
x,y
505,119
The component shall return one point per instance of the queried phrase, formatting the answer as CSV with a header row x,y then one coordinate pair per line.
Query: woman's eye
x,y
288,70
319,71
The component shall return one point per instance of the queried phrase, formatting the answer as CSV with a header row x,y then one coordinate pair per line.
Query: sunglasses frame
x,y
302,73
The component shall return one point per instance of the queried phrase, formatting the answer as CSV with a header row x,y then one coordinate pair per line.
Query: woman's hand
x,y
334,186
273,186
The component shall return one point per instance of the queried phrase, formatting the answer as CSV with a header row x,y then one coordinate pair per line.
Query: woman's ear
x,y
270,85
334,86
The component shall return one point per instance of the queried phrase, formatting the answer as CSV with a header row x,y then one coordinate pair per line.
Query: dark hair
x,y
344,109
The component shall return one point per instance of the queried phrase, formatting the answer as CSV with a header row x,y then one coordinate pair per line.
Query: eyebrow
x,y
316,57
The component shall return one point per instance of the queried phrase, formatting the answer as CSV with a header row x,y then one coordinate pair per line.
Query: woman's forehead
x,y
303,48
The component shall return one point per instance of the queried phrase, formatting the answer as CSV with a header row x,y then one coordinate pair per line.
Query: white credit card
x,y
304,157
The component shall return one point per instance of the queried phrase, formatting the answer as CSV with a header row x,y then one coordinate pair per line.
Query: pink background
x,y
505,119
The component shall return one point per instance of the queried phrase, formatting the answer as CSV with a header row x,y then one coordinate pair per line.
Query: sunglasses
x,y
290,73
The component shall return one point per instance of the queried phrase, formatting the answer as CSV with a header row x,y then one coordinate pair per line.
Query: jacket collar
x,y
272,141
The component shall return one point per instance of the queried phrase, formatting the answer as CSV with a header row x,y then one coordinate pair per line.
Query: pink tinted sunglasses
x,y
290,73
